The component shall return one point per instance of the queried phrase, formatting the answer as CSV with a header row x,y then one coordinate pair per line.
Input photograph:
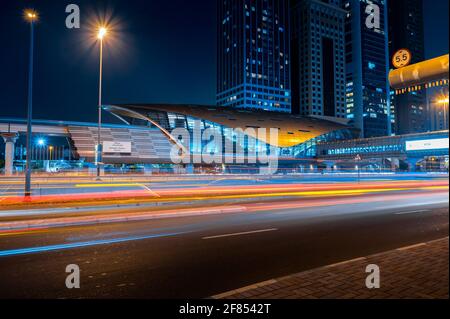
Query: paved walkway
x,y
415,272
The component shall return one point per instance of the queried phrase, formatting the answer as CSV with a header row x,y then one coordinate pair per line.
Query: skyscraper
x,y
406,31
367,66
254,55
318,66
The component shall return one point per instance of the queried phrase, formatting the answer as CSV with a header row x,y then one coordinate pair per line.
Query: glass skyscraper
x,y
406,31
367,67
254,55
318,68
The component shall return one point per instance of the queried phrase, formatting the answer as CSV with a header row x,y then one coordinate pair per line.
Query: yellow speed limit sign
x,y
402,58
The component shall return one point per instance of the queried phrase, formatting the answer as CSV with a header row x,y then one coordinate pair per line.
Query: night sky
x,y
162,51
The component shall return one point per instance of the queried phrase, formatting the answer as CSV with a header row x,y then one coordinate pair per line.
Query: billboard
x,y
117,147
425,145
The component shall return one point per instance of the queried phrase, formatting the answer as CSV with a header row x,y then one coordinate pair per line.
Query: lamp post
x,y
444,103
50,149
31,16
99,149
358,161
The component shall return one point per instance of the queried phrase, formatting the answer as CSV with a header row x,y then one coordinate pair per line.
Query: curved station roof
x,y
292,130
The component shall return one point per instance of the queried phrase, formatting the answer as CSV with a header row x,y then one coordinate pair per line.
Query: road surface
x,y
201,256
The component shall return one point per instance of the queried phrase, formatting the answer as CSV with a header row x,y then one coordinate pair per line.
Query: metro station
x,y
144,142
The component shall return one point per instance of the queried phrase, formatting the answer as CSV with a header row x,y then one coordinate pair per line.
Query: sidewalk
x,y
415,272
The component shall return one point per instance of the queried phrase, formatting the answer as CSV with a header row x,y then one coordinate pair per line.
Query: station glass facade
x,y
240,139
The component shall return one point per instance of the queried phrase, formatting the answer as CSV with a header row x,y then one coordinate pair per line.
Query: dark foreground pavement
x,y
415,272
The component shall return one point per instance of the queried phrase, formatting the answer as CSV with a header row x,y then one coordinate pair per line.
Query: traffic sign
x,y
402,58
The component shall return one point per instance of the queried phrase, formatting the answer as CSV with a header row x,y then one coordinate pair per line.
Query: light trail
x,y
229,192
107,185
41,249
6,227
89,180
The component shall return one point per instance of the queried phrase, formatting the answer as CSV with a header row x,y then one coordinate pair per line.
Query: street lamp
x,y
50,148
358,160
31,16
41,142
102,31
444,103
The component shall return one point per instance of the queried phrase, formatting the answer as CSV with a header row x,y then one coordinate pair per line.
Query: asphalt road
x,y
196,257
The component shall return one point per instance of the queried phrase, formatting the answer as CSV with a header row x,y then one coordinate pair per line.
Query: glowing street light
x,y
102,32
31,16
444,103
41,142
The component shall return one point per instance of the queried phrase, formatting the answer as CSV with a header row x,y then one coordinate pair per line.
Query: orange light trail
x,y
224,192
41,225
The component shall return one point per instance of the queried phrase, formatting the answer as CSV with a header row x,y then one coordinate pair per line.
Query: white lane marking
x,y
243,233
152,192
414,212
217,181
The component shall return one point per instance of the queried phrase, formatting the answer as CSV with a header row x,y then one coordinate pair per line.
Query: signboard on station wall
x,y
117,147
426,145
